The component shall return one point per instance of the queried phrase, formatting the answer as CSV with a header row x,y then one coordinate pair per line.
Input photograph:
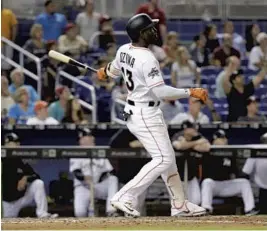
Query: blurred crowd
x,y
59,100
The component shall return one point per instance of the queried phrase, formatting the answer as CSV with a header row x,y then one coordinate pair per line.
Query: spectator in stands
x,y
257,169
88,21
170,46
210,33
190,140
107,35
120,90
36,44
194,114
53,23
252,32
41,118
258,54
71,42
238,92
9,31
58,108
232,65
74,113
17,78
152,9
21,185
221,179
22,109
170,109
6,100
252,111
184,72
160,55
199,53
221,54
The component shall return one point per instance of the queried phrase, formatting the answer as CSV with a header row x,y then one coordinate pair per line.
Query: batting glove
x,y
101,74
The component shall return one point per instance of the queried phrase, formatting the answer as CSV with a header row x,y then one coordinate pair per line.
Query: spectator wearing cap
x,y
17,78
88,21
256,168
106,37
222,179
222,53
212,42
155,12
22,109
53,23
258,54
6,100
238,92
252,104
194,114
41,118
58,108
252,32
72,42
189,139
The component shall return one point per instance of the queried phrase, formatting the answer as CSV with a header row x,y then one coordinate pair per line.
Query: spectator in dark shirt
x,y
74,113
210,33
251,34
21,185
107,35
152,9
238,92
220,180
221,54
252,111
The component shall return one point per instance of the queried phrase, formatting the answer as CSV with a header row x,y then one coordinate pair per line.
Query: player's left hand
x,y
199,93
101,74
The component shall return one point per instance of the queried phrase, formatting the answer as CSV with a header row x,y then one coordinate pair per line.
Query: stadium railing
x,y
116,104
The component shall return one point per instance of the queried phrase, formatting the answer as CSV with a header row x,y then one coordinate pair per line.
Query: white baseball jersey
x,y
99,166
140,70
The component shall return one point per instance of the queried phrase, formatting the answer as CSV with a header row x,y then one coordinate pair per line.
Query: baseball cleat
x,y
125,207
188,209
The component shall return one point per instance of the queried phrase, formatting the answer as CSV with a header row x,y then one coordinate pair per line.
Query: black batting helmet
x,y
138,24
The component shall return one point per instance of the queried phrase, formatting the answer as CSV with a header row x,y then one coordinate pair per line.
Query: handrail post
x,y
39,82
21,59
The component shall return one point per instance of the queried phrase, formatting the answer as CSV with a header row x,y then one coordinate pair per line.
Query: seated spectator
x,y
36,44
71,42
170,109
184,72
194,114
221,54
111,51
238,92
88,21
6,100
58,108
252,111
199,53
21,185
258,54
221,179
106,30
17,78
74,113
41,118
53,23
210,33
190,139
232,65
252,32
22,109
170,46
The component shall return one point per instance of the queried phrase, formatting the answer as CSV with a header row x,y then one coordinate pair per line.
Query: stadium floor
x,y
142,223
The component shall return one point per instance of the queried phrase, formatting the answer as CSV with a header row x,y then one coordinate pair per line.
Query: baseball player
x,y
145,84
99,172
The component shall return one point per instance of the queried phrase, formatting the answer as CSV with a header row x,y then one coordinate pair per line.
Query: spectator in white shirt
x,y
170,109
41,118
258,54
194,114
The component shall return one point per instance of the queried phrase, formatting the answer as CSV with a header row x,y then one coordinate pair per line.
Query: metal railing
x,y
22,52
92,107
113,115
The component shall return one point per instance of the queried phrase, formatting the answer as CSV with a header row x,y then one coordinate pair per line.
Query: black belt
x,y
150,103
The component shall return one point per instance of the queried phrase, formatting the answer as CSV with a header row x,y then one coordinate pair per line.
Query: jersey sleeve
x,y
152,73
75,164
113,68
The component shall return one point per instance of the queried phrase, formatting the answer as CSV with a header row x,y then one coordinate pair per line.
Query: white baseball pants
x,y
35,192
227,188
104,190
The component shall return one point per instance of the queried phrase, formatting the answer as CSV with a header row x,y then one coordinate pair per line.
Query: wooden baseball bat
x,y
66,59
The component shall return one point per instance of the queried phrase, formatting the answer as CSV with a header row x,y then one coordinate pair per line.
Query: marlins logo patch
x,y
154,72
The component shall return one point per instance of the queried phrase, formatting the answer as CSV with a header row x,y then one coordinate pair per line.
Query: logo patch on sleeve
x,y
154,72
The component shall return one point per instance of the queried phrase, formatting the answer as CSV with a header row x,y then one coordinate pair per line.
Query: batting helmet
x,y
138,24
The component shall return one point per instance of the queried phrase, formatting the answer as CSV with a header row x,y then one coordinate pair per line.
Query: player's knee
x,y
207,183
38,183
244,182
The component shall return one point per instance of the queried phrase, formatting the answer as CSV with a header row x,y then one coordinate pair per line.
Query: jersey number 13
x,y
128,78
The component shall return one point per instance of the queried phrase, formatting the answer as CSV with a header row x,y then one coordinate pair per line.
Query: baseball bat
x,y
68,60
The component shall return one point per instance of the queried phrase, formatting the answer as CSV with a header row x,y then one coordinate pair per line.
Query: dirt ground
x,y
148,223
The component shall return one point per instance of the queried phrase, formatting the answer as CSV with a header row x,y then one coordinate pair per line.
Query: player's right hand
x,y
101,74
199,93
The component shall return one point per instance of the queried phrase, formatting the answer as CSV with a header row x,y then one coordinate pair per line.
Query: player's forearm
x,y
170,93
